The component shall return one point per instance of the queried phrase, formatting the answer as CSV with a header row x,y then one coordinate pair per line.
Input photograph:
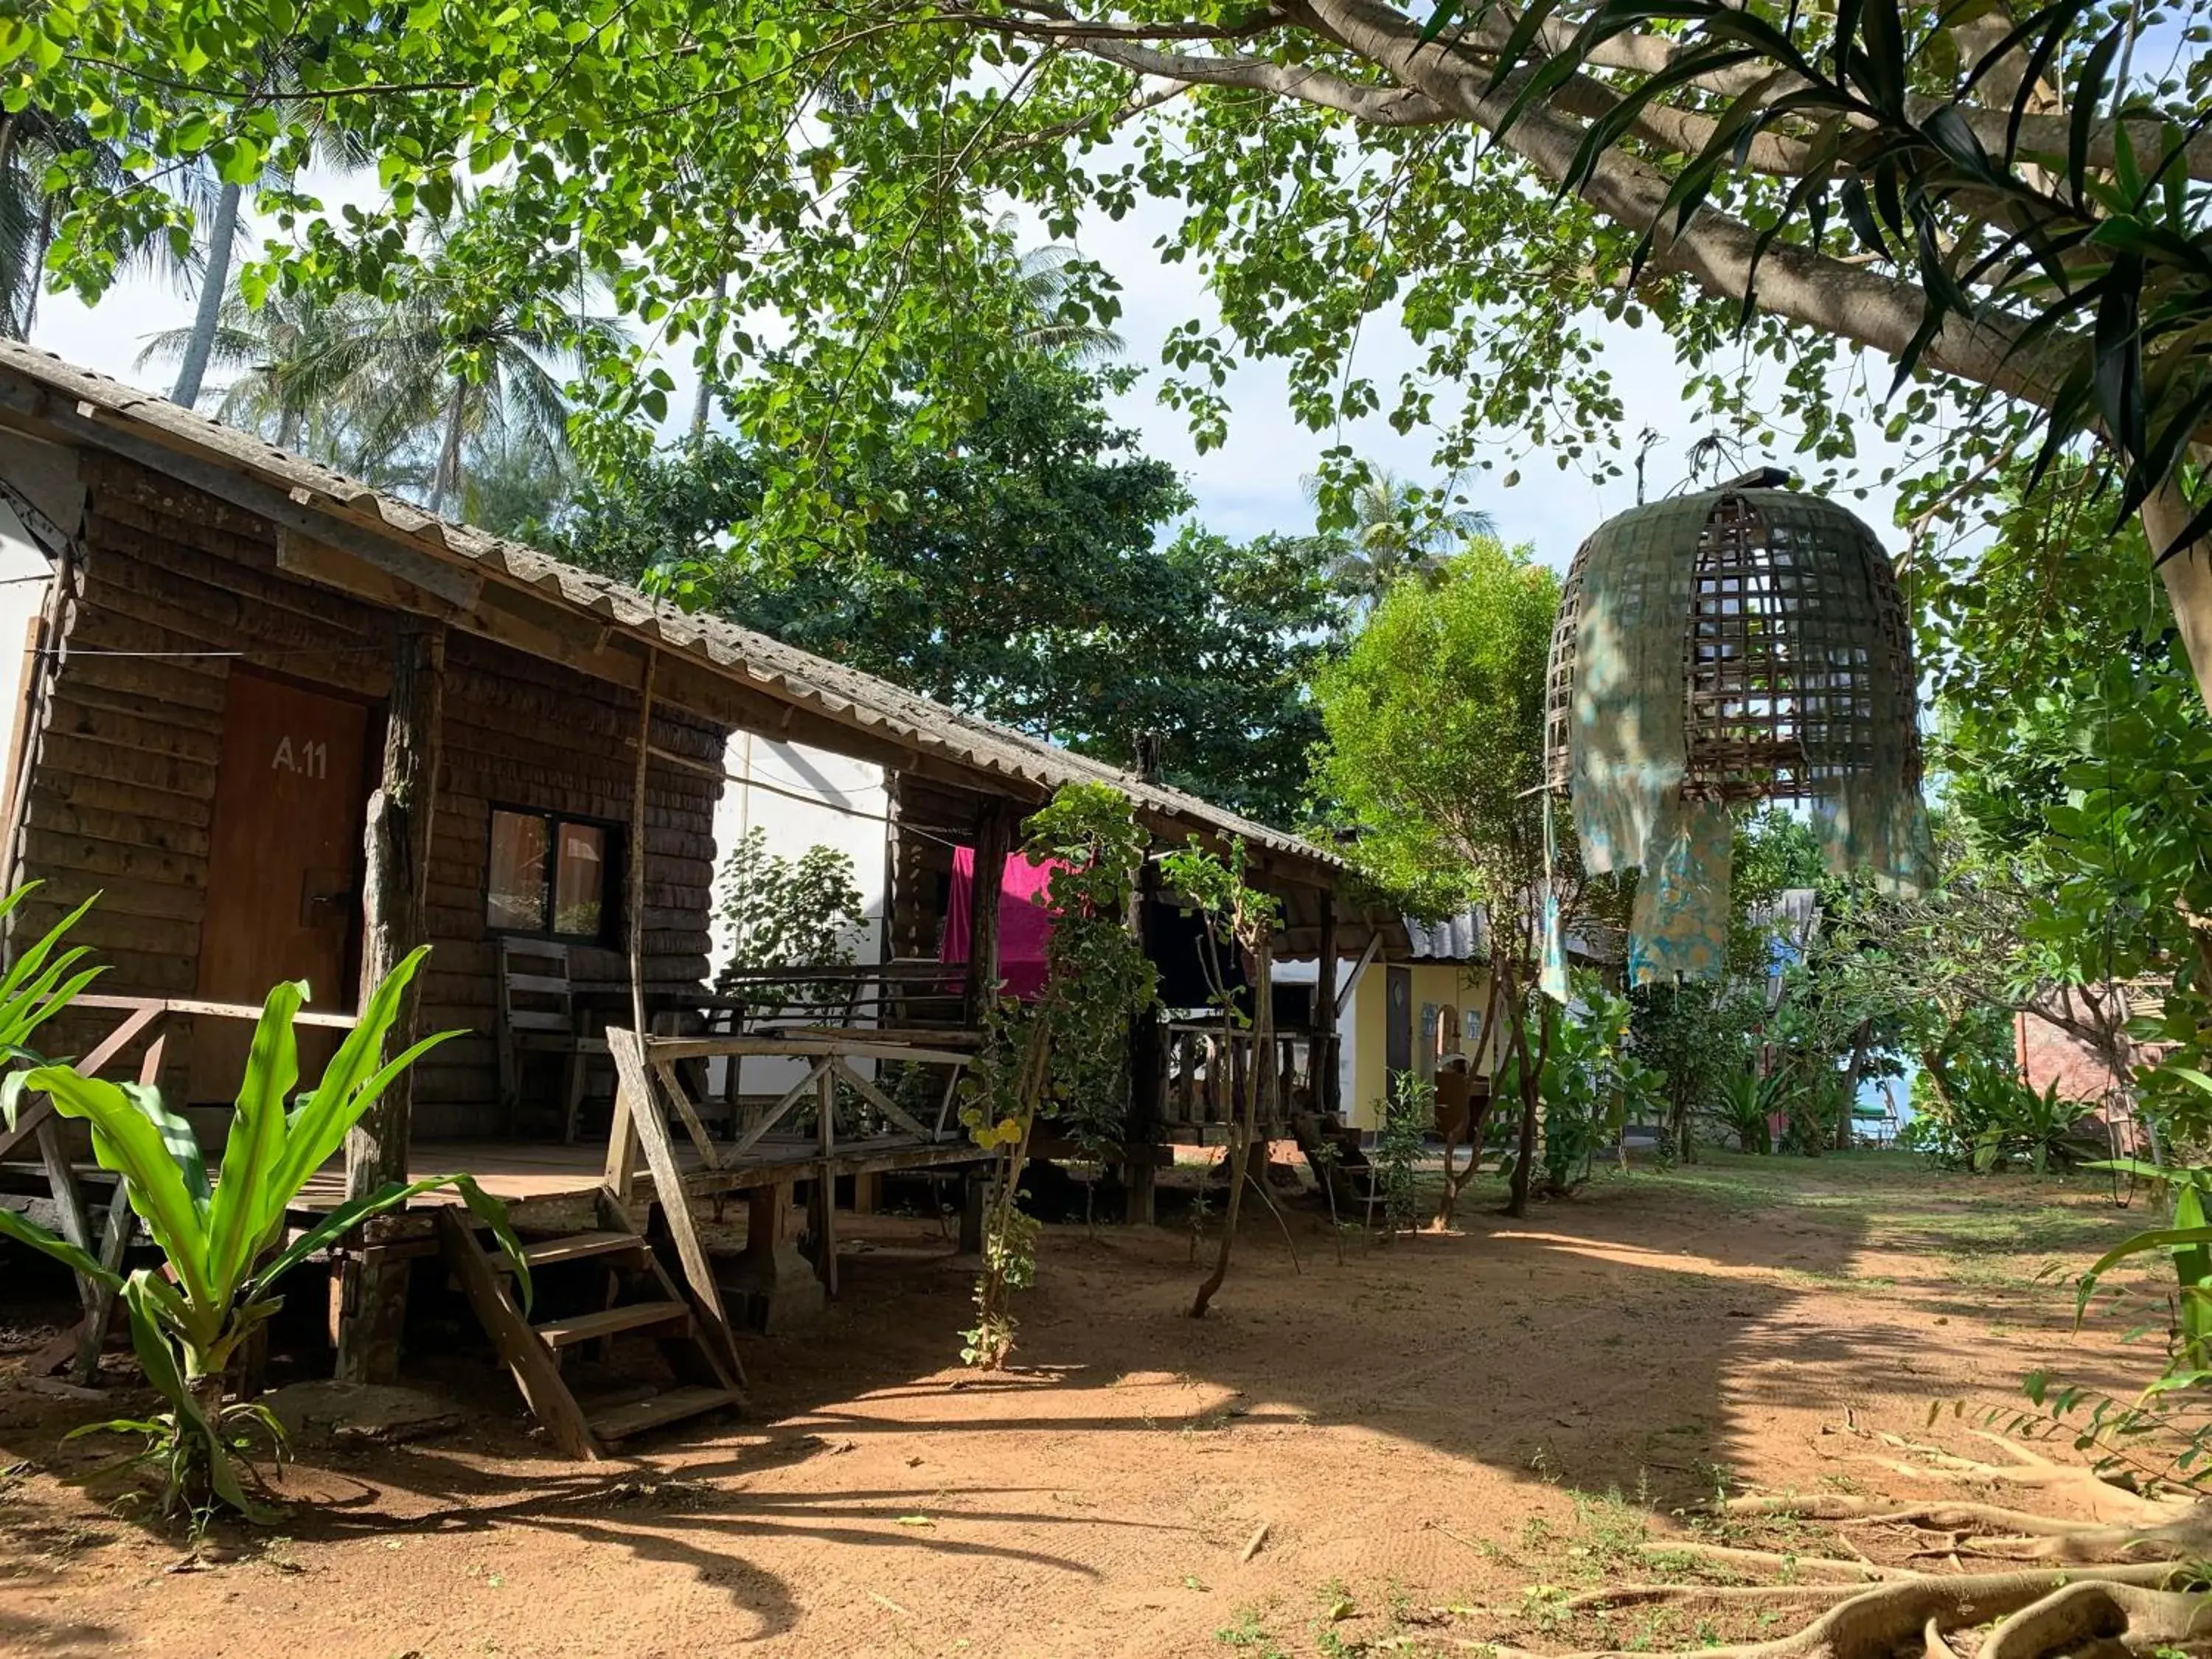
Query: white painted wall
x,y
846,802
47,474
1349,972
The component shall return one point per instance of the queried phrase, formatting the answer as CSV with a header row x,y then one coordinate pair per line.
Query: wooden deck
x,y
523,1171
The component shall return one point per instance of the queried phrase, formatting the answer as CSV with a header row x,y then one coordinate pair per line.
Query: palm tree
x,y
409,395
307,369
1041,279
472,376
336,149
32,140
215,281
1042,282
1400,530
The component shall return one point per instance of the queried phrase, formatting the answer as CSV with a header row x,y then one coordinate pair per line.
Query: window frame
x,y
616,843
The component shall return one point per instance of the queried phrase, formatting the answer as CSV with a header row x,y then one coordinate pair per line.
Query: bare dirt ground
x,y
1443,1439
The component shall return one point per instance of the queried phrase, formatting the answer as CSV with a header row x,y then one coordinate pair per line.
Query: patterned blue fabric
x,y
1678,926
1552,980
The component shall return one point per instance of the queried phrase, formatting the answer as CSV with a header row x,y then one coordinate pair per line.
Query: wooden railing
x,y
38,1124
1208,1069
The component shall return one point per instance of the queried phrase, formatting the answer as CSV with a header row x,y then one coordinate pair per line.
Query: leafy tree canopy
x,y
1022,577
838,172
1436,733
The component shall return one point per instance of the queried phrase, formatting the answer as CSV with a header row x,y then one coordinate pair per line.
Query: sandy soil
x,y
1428,1433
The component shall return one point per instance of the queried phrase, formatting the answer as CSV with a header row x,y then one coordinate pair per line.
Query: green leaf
x,y
24,1230
352,1081
126,1142
249,1201
158,1360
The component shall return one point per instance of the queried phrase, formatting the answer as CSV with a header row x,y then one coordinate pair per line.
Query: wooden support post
x,y
76,1216
994,830
633,1082
634,898
1147,1068
394,887
115,1238
1324,1075
975,1193
825,1180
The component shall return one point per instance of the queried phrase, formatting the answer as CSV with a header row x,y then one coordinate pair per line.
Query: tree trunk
x,y
394,899
710,377
447,477
1259,1079
1860,1039
39,243
215,284
1516,1203
1476,1126
2187,575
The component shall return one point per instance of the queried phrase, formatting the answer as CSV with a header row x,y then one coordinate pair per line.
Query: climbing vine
x,y
1066,1052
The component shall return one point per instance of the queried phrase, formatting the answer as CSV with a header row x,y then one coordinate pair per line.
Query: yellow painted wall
x,y
1445,983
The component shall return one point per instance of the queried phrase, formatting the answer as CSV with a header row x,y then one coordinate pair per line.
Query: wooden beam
x,y
1324,1075
994,831
825,1178
635,850
121,1226
201,1006
861,1044
668,1186
394,900
1351,980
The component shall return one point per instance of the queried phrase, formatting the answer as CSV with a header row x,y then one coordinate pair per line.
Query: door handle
x,y
325,897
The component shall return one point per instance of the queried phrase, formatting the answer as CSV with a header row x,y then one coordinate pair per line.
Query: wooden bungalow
x,y
285,725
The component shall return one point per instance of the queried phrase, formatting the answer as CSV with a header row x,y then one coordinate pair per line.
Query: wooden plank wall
x,y
921,864
500,707
122,794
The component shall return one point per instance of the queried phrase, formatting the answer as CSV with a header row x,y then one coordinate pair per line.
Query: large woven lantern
x,y
1746,643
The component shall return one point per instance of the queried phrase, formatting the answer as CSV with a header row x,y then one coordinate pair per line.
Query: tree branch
x,y
1376,106
1056,22
1798,283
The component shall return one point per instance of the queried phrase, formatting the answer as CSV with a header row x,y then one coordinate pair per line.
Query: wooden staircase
x,y
634,1294
1333,1153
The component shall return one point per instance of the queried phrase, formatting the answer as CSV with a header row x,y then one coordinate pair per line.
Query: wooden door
x,y
284,854
1397,1022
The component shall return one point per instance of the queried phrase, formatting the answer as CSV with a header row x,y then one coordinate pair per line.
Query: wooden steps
x,y
636,1416
620,1271
575,1247
611,1321
1333,1153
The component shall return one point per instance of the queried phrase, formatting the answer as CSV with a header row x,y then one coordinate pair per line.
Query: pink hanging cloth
x,y
1024,922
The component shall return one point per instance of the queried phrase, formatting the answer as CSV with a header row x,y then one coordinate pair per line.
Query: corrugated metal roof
x,y
861,701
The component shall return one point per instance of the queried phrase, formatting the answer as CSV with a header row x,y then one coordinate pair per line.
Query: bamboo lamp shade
x,y
1796,673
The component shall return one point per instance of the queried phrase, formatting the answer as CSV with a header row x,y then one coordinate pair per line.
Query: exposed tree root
x,y
2103,1500
2139,1618
2183,1531
1932,1639
1860,1571
1756,1595
1877,1620
1943,1515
